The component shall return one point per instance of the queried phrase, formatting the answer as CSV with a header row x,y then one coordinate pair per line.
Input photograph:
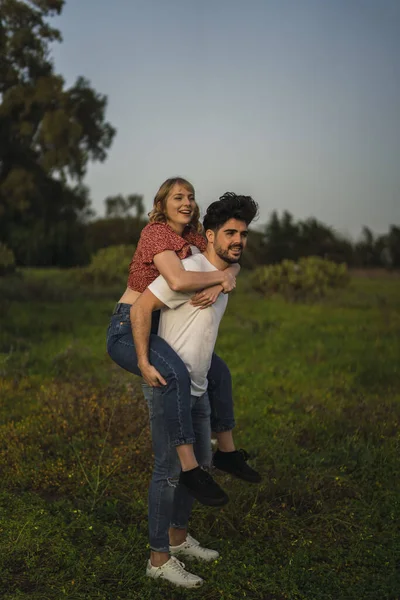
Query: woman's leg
x,y
221,402
226,458
177,416
176,394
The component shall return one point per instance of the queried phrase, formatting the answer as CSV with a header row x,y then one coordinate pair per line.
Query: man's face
x,y
230,240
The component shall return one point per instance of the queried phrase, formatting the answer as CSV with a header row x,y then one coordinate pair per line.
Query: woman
x,y
173,233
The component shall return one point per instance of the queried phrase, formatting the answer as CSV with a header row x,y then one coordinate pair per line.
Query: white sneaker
x,y
192,549
174,572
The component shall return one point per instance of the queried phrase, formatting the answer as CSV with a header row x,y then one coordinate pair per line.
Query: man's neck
x,y
215,260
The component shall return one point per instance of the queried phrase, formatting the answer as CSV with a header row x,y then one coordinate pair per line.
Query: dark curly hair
x,y
230,206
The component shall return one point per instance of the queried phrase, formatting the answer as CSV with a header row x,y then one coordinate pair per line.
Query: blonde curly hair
x,y
158,213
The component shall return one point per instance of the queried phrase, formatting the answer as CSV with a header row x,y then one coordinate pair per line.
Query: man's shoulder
x,y
197,262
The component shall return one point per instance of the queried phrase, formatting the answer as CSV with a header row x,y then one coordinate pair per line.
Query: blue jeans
x,y
176,393
170,504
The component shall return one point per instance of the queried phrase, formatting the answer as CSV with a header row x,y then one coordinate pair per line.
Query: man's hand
x,y
230,275
150,374
229,282
207,297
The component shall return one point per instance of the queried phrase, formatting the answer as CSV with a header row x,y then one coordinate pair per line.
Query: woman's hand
x,y
207,297
151,376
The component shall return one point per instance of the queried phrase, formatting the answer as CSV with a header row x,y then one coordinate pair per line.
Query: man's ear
x,y
210,235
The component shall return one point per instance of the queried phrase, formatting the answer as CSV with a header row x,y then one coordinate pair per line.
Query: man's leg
x,y
164,478
166,475
161,494
181,543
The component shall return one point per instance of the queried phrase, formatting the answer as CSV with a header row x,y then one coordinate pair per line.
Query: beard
x,y
224,254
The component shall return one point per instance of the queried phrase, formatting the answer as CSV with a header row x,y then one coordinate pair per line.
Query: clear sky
x,y
296,102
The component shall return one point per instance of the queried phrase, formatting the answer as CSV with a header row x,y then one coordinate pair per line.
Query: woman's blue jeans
x,y
170,504
176,394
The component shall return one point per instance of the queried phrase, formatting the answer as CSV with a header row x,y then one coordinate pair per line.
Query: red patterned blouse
x,y
155,238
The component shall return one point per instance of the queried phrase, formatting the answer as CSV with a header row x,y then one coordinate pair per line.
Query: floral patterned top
x,y
155,238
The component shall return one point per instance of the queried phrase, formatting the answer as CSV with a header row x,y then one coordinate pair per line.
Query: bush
x,y
109,265
7,260
309,278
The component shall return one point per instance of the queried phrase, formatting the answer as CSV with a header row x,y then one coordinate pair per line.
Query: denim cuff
x,y
181,441
159,549
219,426
179,525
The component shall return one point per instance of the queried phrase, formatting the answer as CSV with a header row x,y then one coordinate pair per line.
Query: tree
x,y
366,252
393,243
48,135
120,206
388,248
286,239
281,237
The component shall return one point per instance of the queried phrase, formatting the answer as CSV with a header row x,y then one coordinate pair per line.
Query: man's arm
x,y
140,314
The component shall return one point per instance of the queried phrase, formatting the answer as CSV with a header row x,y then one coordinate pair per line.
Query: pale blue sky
x,y
296,102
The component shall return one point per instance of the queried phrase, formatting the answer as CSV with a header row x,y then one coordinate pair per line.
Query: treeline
x,y
285,238
282,238
48,135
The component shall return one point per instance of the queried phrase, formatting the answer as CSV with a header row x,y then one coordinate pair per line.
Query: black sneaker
x,y
235,463
202,486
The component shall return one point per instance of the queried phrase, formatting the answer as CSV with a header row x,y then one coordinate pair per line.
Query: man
x,y
192,333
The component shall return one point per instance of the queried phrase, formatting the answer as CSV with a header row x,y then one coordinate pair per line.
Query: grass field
x,y
317,396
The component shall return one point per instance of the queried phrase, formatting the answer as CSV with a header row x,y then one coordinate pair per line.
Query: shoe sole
x,y
176,584
208,501
258,480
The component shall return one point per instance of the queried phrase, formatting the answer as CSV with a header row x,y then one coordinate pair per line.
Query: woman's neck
x,y
179,229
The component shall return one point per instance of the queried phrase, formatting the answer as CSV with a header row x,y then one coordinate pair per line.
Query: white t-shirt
x,y
191,332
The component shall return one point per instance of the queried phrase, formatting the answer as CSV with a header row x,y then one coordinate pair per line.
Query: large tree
x,y
48,135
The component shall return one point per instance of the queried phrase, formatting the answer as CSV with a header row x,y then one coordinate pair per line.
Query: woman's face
x,y
179,207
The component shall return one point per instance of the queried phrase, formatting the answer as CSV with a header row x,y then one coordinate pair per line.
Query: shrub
x,y
7,260
109,265
310,278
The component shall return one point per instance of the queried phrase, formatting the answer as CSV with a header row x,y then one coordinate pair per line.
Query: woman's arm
x,y
179,280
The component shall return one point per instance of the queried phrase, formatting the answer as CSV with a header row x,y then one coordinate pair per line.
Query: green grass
x,y
317,400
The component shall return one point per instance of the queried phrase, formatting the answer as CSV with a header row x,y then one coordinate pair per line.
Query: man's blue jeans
x,y
176,393
170,504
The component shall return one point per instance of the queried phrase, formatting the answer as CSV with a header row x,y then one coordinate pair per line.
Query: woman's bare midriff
x,y
129,296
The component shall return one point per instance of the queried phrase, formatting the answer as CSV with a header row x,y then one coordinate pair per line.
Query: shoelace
x,y
179,567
